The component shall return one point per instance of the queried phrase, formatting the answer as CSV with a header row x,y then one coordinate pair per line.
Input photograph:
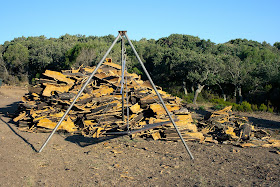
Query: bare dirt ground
x,y
71,160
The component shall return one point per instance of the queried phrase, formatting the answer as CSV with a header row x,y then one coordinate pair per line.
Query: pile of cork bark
x,y
99,109
225,127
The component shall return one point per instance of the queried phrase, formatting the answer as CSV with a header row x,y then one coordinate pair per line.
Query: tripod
x,y
121,34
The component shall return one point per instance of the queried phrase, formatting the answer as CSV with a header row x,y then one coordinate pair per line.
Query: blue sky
x,y
217,20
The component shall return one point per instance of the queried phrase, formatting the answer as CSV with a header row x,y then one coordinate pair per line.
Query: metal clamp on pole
x,y
122,33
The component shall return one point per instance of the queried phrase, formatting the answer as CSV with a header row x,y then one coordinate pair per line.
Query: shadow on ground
x,y
86,141
198,113
9,109
11,128
264,123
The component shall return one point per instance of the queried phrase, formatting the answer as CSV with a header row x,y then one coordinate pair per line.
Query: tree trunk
x,y
238,94
235,94
225,97
240,97
223,93
184,87
197,91
5,71
192,88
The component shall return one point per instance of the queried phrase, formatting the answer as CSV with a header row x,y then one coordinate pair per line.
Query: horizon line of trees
x,y
239,69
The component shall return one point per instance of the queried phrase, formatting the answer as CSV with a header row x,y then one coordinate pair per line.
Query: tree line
x,y
184,65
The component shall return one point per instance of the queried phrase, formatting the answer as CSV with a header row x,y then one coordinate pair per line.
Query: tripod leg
x,y
123,69
161,100
80,92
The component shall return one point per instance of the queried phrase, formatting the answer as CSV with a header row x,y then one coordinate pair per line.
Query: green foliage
x,y
209,95
239,108
136,70
219,106
16,58
188,98
277,45
81,53
221,101
201,108
255,107
243,107
14,64
33,81
263,107
246,107
38,75
270,109
267,88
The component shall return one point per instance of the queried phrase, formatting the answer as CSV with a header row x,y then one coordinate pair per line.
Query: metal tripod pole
x,y
159,96
122,81
80,92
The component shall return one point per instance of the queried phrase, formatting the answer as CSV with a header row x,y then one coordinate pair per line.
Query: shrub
x,y
219,106
270,109
188,98
246,106
267,88
200,98
239,108
11,80
234,106
254,107
217,100
208,96
263,108
201,108
38,75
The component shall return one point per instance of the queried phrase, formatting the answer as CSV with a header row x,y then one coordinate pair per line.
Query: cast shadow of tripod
x,y
86,141
5,111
